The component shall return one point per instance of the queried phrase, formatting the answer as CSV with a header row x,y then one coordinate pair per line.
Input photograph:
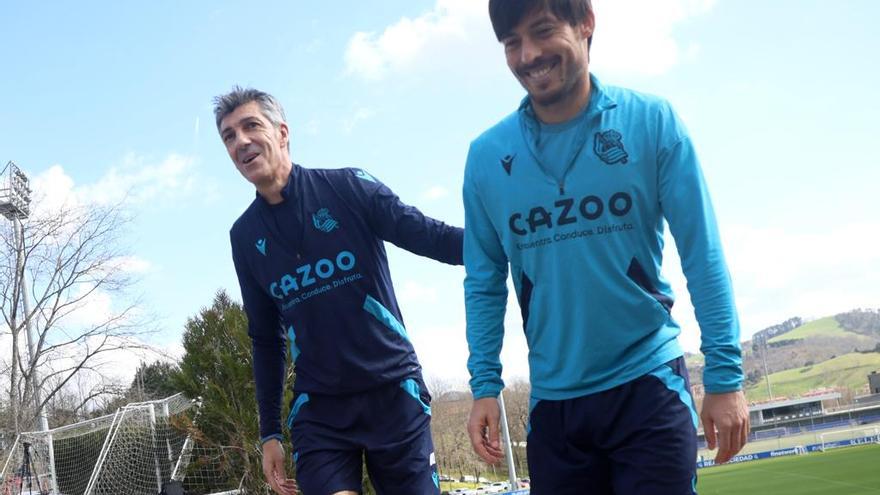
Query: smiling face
x,y
550,58
256,145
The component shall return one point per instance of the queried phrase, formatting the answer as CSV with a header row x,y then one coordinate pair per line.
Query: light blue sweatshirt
x,y
585,248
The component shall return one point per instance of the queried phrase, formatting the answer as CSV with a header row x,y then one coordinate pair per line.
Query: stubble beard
x,y
568,89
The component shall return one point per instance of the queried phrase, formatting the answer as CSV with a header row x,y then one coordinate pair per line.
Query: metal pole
x,y
183,459
764,360
22,283
155,447
53,478
167,414
35,377
9,457
14,206
511,469
105,449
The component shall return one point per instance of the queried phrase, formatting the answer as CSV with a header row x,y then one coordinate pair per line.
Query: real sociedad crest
x,y
609,147
323,221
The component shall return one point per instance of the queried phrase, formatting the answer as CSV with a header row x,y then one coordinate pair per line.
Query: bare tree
x,y
72,257
450,410
69,404
517,399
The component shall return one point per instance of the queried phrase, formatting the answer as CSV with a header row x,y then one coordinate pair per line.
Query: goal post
x,y
151,447
75,447
139,450
849,437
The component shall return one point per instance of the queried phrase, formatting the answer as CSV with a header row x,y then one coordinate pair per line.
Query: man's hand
x,y
273,469
729,414
483,429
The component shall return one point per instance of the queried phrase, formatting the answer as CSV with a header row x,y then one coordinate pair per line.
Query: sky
x,y
105,101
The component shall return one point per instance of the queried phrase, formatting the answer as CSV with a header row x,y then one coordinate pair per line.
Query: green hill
x,y
825,327
850,370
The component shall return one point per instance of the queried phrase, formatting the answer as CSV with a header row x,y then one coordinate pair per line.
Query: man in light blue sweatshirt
x,y
569,194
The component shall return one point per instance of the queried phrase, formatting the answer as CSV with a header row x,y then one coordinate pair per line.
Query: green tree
x,y
217,366
153,381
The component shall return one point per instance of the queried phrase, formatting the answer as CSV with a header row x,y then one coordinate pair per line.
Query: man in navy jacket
x,y
310,257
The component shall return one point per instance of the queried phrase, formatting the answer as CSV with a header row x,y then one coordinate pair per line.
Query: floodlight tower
x,y
15,200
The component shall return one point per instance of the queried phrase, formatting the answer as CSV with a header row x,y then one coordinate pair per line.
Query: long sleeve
x,y
485,290
406,227
269,348
685,202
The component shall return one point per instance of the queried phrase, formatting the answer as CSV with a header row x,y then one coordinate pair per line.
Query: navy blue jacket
x,y
314,278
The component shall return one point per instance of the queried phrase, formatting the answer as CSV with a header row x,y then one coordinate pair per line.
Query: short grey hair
x,y
226,104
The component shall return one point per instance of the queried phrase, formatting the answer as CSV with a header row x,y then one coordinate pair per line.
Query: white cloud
x,y
112,366
136,181
360,115
781,273
806,273
134,264
122,364
632,36
414,292
140,181
373,56
443,350
119,364
637,36
52,190
434,193
93,309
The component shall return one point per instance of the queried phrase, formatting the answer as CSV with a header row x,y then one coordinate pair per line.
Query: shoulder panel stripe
x,y
382,314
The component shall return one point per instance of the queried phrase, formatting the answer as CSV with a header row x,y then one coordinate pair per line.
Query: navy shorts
x,y
388,427
637,438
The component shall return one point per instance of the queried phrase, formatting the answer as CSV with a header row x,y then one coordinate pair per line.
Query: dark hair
x,y
506,14
226,104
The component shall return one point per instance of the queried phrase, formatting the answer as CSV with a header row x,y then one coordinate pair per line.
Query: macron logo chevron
x,y
261,246
360,174
507,163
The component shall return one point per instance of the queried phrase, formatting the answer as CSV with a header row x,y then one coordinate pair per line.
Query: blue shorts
x,y
388,427
637,438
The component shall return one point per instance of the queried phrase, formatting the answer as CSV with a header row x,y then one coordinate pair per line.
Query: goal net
x,y
141,448
138,450
58,461
850,437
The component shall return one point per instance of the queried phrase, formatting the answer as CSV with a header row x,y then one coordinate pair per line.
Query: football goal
x,y
142,449
849,437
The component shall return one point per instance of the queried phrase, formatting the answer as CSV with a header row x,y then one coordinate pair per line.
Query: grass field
x,y
803,439
846,471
